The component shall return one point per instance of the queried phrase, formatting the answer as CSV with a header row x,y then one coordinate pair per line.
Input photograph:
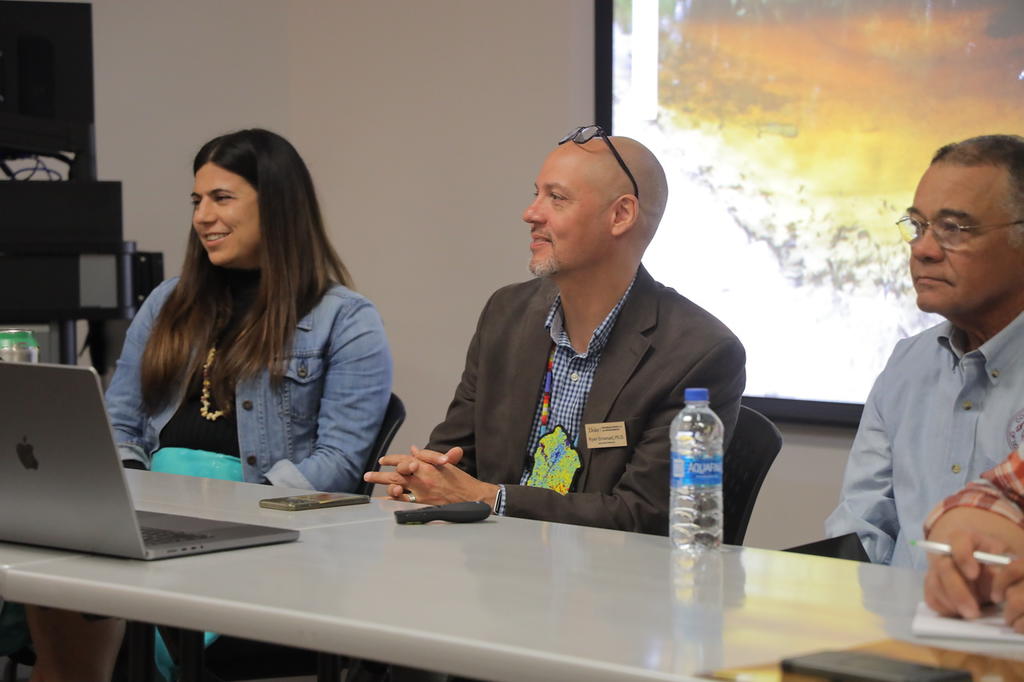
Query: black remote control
x,y
456,512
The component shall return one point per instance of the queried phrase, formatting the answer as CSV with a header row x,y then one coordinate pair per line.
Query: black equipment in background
x,y
46,85
63,256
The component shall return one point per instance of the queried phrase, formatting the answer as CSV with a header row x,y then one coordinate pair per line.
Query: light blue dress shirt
x,y
936,419
314,430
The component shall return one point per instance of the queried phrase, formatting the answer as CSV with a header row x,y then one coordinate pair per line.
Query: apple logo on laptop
x,y
26,454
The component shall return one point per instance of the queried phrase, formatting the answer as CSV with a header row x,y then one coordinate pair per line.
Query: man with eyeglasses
x,y
571,379
949,404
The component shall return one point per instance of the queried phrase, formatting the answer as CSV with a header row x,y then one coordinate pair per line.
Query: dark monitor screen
x,y
46,81
46,60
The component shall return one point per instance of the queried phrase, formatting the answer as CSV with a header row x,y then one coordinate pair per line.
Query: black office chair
x,y
394,417
755,444
232,658
843,547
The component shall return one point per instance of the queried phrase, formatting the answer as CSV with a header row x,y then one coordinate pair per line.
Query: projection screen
x,y
794,133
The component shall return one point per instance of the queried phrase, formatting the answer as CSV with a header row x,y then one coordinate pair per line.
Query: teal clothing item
x,y
314,429
164,663
202,463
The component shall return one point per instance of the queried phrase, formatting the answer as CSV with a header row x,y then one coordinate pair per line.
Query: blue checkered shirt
x,y
572,375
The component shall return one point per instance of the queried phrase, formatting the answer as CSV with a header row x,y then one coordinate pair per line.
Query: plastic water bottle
x,y
695,504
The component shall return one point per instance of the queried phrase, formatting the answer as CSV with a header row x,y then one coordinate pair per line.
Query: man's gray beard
x,y
545,268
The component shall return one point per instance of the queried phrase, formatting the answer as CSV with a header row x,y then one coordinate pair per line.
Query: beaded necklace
x,y
545,403
204,397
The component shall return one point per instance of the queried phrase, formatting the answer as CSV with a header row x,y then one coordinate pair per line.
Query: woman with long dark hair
x,y
258,363
259,353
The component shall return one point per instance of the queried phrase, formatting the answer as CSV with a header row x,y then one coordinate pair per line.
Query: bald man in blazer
x,y
572,379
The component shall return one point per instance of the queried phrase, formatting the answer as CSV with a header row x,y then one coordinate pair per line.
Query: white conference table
x,y
230,501
504,599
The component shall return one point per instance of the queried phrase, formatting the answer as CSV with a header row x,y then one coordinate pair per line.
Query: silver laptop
x,y
62,483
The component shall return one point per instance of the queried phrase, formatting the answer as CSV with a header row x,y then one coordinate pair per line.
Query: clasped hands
x,y
958,585
432,478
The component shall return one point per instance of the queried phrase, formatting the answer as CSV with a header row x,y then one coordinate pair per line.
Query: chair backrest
x,y
755,444
843,547
393,418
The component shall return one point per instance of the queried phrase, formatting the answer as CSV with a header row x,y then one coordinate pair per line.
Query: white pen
x,y
982,557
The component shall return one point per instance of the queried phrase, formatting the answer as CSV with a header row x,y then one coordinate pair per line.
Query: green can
x,y
18,345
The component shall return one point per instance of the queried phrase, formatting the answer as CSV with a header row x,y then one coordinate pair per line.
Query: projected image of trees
x,y
794,133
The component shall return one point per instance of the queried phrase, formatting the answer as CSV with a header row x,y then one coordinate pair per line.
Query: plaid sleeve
x,y
1000,490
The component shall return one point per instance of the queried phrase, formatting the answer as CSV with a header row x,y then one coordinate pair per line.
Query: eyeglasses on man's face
x,y
585,134
948,233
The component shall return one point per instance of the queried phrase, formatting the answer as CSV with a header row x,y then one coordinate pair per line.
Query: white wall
x,y
169,76
802,487
423,124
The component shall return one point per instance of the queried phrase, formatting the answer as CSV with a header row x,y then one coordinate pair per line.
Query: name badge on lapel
x,y
606,435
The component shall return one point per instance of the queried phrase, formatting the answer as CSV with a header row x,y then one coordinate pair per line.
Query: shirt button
x,y
251,460
246,404
995,373
303,371
968,404
956,468
575,376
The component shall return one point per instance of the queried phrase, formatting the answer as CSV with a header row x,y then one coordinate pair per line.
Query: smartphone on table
x,y
313,501
858,666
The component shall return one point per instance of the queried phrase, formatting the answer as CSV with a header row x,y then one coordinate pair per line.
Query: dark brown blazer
x,y
660,344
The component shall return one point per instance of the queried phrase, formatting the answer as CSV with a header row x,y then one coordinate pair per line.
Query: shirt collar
x,y
555,324
947,339
1001,351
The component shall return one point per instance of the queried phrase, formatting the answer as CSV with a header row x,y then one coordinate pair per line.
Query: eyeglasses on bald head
x,y
585,134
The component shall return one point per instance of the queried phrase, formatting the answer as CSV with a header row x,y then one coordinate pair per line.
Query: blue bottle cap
x,y
695,394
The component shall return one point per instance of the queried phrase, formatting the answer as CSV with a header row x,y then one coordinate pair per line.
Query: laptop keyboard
x,y
160,536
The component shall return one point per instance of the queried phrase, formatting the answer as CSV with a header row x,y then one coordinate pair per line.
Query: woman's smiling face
x,y
226,218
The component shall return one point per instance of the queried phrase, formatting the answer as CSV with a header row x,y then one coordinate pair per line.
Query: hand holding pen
x,y
942,548
972,570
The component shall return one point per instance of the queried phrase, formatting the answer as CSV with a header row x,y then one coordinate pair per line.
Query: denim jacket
x,y
314,430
